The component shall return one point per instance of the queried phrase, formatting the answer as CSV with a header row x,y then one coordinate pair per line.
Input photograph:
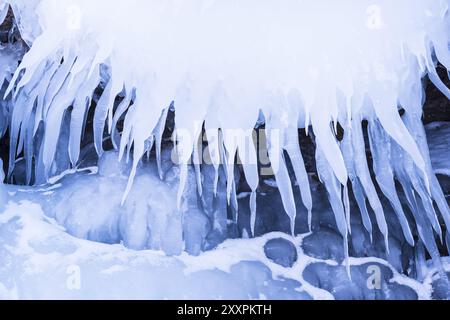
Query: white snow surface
x,y
42,258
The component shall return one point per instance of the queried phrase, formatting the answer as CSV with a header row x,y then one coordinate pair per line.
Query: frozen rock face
x,y
324,244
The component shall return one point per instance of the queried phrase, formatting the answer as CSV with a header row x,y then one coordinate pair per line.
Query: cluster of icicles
x,y
226,65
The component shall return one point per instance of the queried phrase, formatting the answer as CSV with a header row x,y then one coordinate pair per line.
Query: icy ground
x,y
42,259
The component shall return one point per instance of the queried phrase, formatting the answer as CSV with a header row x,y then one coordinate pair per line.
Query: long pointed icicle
x,y
248,157
333,187
362,171
214,143
159,131
196,155
78,115
415,126
380,148
406,166
292,148
121,108
394,126
348,153
103,105
278,163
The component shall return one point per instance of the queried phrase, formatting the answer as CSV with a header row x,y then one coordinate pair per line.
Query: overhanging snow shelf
x,y
178,125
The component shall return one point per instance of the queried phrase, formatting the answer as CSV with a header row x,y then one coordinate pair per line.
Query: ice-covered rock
x,y
324,244
281,251
361,286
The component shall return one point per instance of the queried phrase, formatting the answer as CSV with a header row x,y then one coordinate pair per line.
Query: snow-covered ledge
x,y
348,74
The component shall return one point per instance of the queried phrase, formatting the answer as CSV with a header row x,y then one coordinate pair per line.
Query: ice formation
x,y
224,67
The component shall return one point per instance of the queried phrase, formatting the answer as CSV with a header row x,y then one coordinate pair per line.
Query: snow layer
x,y
44,262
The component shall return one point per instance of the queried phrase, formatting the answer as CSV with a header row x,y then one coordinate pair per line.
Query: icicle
x,y
423,227
380,148
40,177
441,202
292,148
253,212
78,114
159,131
137,154
214,142
436,80
21,114
15,126
121,108
327,141
196,159
361,201
347,208
386,110
414,124
348,153
42,47
362,171
127,132
43,87
420,261
276,156
26,103
426,234
234,200
406,166
247,154
148,145
106,102
139,132
334,193
229,155
184,150
230,183
29,149
61,102
183,180
57,83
